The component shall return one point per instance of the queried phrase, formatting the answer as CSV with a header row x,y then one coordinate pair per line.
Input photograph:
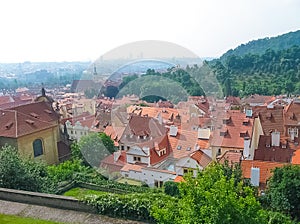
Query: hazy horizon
x,y
56,31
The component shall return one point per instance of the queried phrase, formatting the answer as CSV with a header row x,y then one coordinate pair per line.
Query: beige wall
x,y
257,131
49,138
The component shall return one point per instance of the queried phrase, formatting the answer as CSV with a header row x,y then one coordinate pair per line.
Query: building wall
x,y
77,131
49,138
187,163
149,176
257,131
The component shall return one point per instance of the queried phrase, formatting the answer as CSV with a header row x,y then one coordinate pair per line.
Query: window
x,y
37,147
293,130
135,158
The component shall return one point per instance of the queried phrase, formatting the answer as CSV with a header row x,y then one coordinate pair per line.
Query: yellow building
x,y
33,129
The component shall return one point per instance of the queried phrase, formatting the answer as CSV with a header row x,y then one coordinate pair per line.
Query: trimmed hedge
x,y
131,206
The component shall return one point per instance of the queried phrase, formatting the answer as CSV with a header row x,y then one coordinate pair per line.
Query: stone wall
x,y
49,200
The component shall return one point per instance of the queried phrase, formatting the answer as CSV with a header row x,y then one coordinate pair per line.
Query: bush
x,y
131,206
171,188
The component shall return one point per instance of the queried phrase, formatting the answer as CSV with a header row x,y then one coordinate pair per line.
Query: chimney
x,y
117,154
275,138
255,176
292,133
246,147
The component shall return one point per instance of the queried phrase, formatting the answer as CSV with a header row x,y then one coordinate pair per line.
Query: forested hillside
x,y
271,73
260,46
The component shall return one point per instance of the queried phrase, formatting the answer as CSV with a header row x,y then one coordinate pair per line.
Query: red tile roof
x,y
179,179
21,120
271,119
231,134
231,156
201,158
109,164
267,152
296,157
265,167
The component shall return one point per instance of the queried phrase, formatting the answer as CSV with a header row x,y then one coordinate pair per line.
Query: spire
x,y
43,92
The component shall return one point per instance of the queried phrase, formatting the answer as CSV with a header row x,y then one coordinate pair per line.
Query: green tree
x,y
211,197
21,173
93,148
283,190
171,188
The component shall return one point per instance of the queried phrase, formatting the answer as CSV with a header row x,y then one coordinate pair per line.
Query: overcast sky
x,y
66,30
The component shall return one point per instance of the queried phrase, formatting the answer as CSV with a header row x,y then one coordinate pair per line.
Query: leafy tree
x,y
211,198
21,173
171,188
93,148
283,190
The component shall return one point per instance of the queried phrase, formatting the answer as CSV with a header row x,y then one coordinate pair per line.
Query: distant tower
x,y
95,70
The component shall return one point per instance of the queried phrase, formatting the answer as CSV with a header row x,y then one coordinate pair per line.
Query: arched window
x,y
37,147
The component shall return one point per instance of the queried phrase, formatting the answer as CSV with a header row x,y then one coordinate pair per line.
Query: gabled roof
x,y
259,99
292,114
265,167
267,152
271,119
232,157
27,119
230,133
201,158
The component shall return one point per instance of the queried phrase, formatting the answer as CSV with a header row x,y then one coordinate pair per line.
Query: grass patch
x,y
12,219
124,180
82,192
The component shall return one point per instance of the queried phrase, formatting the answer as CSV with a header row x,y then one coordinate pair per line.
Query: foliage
x,y
258,47
21,173
93,148
283,190
171,188
132,206
174,85
272,73
90,93
211,197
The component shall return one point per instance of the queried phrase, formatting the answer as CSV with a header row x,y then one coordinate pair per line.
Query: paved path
x,y
58,215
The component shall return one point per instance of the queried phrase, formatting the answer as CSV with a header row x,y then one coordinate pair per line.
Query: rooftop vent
x,y
29,122
34,115
179,147
48,111
9,125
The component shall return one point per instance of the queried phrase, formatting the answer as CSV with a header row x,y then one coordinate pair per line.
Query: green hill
x,y
259,46
270,73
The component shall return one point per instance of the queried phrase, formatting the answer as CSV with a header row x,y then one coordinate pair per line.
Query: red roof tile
x,y
19,120
265,167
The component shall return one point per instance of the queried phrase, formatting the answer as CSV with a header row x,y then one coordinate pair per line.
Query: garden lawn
x,y
12,219
80,193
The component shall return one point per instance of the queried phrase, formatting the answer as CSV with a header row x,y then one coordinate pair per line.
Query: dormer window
x,y
223,132
246,121
227,120
268,143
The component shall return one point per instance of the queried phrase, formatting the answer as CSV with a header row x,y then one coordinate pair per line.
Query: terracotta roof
x,y
267,152
179,179
184,143
296,157
231,156
265,167
6,99
114,133
259,99
233,100
292,114
232,132
111,165
271,119
127,167
27,119
202,159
